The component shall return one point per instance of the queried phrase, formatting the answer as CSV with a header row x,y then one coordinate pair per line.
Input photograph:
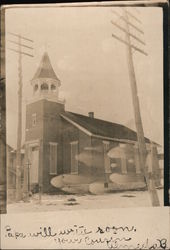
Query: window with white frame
x,y
53,157
34,119
74,155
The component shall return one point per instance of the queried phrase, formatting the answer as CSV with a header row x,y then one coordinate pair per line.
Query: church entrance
x,y
34,168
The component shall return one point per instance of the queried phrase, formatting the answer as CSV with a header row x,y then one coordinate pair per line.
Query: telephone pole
x,y
20,45
128,17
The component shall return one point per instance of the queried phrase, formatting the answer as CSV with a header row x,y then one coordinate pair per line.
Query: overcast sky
x,y
91,65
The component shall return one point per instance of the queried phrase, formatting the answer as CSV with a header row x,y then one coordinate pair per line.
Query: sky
x,y
90,63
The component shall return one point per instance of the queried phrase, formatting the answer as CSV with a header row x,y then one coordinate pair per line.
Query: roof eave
x,y
55,79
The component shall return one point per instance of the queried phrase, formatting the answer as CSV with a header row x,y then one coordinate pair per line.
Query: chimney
x,y
91,114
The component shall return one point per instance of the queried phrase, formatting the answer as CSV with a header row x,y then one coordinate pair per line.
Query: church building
x,y
60,142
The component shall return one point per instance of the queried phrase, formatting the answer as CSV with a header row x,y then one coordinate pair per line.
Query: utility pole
x,y
20,52
127,15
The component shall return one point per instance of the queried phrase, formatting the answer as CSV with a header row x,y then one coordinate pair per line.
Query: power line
x,y
128,22
127,32
134,17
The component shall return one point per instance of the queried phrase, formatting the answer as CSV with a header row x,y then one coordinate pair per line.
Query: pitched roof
x,y
45,69
98,127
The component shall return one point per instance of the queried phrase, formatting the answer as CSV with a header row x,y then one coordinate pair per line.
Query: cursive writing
x,y
110,237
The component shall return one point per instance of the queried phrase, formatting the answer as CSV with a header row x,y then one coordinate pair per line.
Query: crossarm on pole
x,y
20,44
17,51
129,33
132,46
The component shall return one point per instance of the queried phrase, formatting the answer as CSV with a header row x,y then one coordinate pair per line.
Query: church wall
x,y
46,165
72,134
52,132
85,155
52,121
115,162
34,132
69,134
48,128
97,157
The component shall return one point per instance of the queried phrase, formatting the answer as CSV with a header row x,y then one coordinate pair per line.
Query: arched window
x,y
36,87
53,87
44,86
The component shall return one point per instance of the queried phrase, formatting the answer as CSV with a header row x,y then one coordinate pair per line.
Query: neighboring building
x,y
10,168
60,142
11,171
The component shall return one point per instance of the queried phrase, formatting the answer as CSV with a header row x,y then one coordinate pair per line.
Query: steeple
x,y
45,81
45,69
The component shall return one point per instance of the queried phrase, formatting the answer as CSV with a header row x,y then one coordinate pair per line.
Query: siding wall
x,y
85,162
48,129
52,132
36,132
97,158
69,134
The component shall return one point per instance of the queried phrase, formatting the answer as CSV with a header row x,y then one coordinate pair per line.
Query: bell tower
x,y
45,83
43,143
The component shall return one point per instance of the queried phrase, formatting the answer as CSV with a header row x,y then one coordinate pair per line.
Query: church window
x,y
107,165
123,159
53,158
74,155
34,119
53,87
36,87
44,86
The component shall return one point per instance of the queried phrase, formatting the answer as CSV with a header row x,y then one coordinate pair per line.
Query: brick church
x,y
60,142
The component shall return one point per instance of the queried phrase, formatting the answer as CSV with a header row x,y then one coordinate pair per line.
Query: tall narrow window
x,y
107,165
74,160
123,159
53,158
34,119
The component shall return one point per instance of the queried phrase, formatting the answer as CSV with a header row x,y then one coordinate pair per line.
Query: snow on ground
x,y
75,202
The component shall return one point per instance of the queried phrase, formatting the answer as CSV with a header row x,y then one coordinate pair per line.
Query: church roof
x,y
45,69
101,128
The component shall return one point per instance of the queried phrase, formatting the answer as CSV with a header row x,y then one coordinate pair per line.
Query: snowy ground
x,y
75,202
